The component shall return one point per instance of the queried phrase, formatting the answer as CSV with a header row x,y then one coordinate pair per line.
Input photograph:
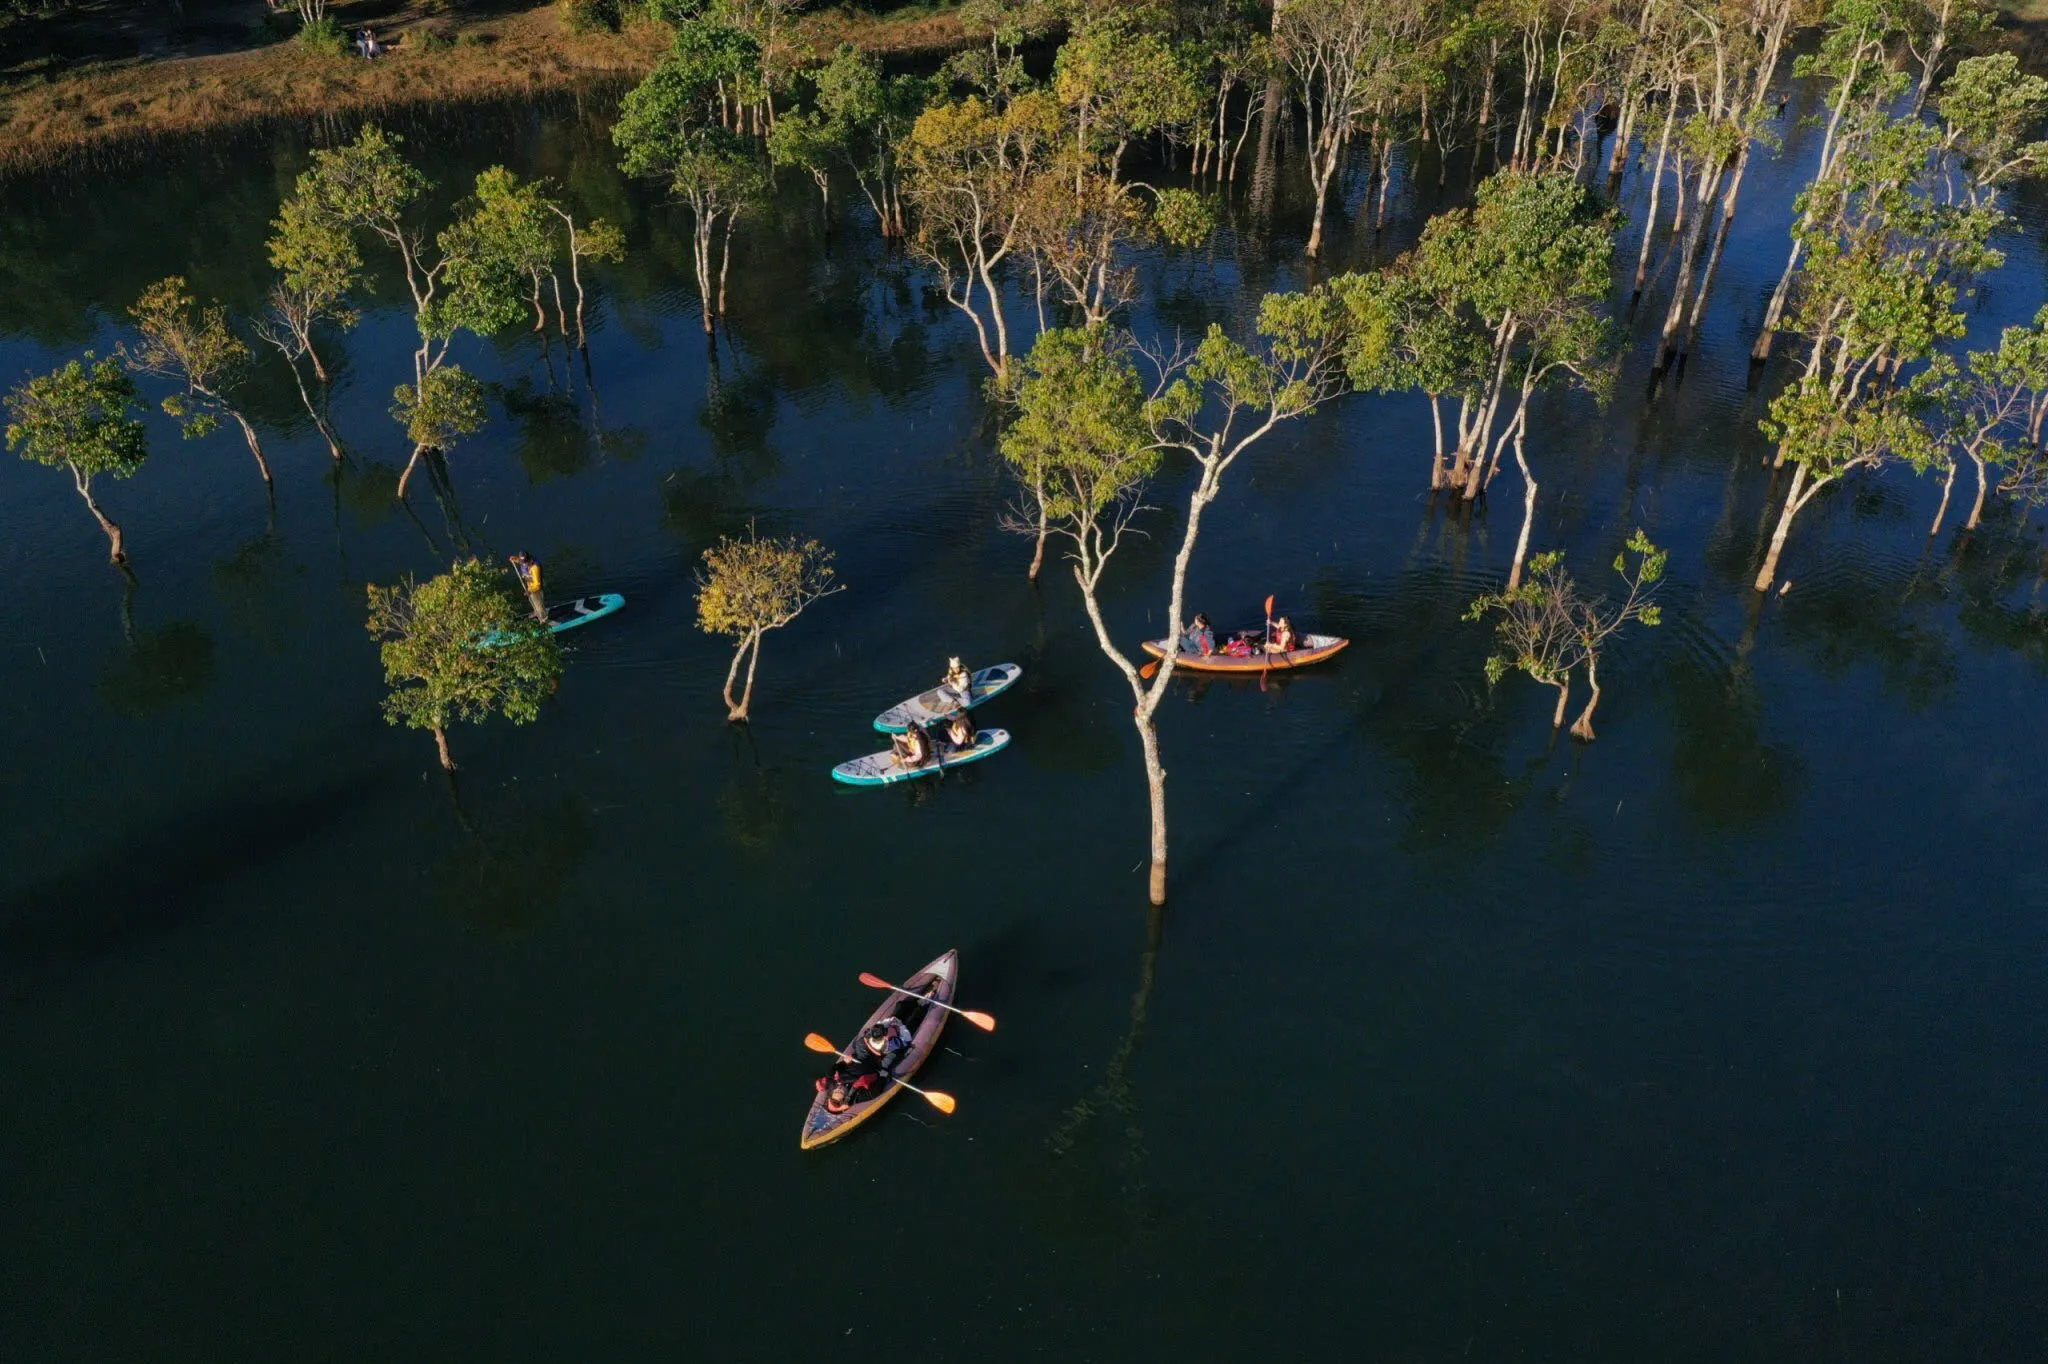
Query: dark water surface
x,y
1718,1039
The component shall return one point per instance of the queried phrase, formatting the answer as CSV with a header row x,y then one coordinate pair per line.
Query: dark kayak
x,y
934,982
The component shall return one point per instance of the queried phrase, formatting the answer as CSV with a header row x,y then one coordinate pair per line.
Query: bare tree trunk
x,y
1044,528
1155,790
1528,514
725,267
1948,482
747,692
441,746
1582,728
749,647
116,545
1564,696
319,422
1769,572
410,465
1983,487
255,447
1656,192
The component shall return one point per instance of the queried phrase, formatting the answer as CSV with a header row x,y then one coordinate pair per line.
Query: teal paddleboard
x,y
884,769
566,615
935,705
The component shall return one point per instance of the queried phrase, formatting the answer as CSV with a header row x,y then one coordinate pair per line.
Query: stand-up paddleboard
x,y
882,769
935,705
567,615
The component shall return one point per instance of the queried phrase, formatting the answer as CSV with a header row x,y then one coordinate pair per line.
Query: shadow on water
x,y
518,848
1104,1131
166,880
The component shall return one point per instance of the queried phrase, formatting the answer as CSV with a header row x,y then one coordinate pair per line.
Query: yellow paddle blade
x,y
819,1044
986,1022
943,1102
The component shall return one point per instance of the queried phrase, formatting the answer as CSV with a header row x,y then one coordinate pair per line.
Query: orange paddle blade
x,y
1269,607
819,1044
943,1102
876,981
1149,669
986,1022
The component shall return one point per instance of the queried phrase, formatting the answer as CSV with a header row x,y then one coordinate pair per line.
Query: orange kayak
x,y
1319,648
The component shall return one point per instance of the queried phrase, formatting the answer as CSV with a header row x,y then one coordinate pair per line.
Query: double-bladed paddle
x,y
943,1102
986,1022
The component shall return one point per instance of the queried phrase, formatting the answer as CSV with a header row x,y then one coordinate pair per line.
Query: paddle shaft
x,y
986,1022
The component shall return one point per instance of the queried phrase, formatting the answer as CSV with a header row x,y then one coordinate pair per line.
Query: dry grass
x,y
89,113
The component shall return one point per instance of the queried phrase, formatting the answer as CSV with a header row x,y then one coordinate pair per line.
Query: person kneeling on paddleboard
x,y
913,747
959,732
958,681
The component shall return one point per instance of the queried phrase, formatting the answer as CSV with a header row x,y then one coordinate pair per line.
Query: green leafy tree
x,y
457,649
868,115
194,348
465,279
1119,84
318,267
804,141
81,417
1893,234
994,65
1494,304
969,168
437,413
672,127
1087,442
749,586
1548,628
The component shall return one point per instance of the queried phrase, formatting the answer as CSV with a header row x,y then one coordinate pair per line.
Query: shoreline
x,y
95,116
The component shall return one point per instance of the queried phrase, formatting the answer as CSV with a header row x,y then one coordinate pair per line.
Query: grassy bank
x,y
98,110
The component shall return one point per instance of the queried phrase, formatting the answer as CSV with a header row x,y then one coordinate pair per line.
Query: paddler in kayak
x,y
1284,640
528,571
913,747
1200,637
860,1077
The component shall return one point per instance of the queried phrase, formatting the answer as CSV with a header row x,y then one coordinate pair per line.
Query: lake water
x,y
1720,1038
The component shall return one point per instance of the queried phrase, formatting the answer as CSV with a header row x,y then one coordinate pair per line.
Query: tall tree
x,y
673,127
319,265
749,586
968,168
1514,283
194,348
1087,443
457,649
81,417
461,280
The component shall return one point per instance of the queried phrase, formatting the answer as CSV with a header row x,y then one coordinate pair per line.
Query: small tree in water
x,y
193,347
457,647
750,586
81,418
1548,628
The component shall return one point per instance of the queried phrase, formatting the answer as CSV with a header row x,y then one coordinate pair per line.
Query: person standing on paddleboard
x,y
528,571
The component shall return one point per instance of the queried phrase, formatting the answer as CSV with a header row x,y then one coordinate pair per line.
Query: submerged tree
x,y
457,648
1090,441
318,266
674,126
749,586
1548,628
82,418
1494,304
195,348
466,279
968,169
